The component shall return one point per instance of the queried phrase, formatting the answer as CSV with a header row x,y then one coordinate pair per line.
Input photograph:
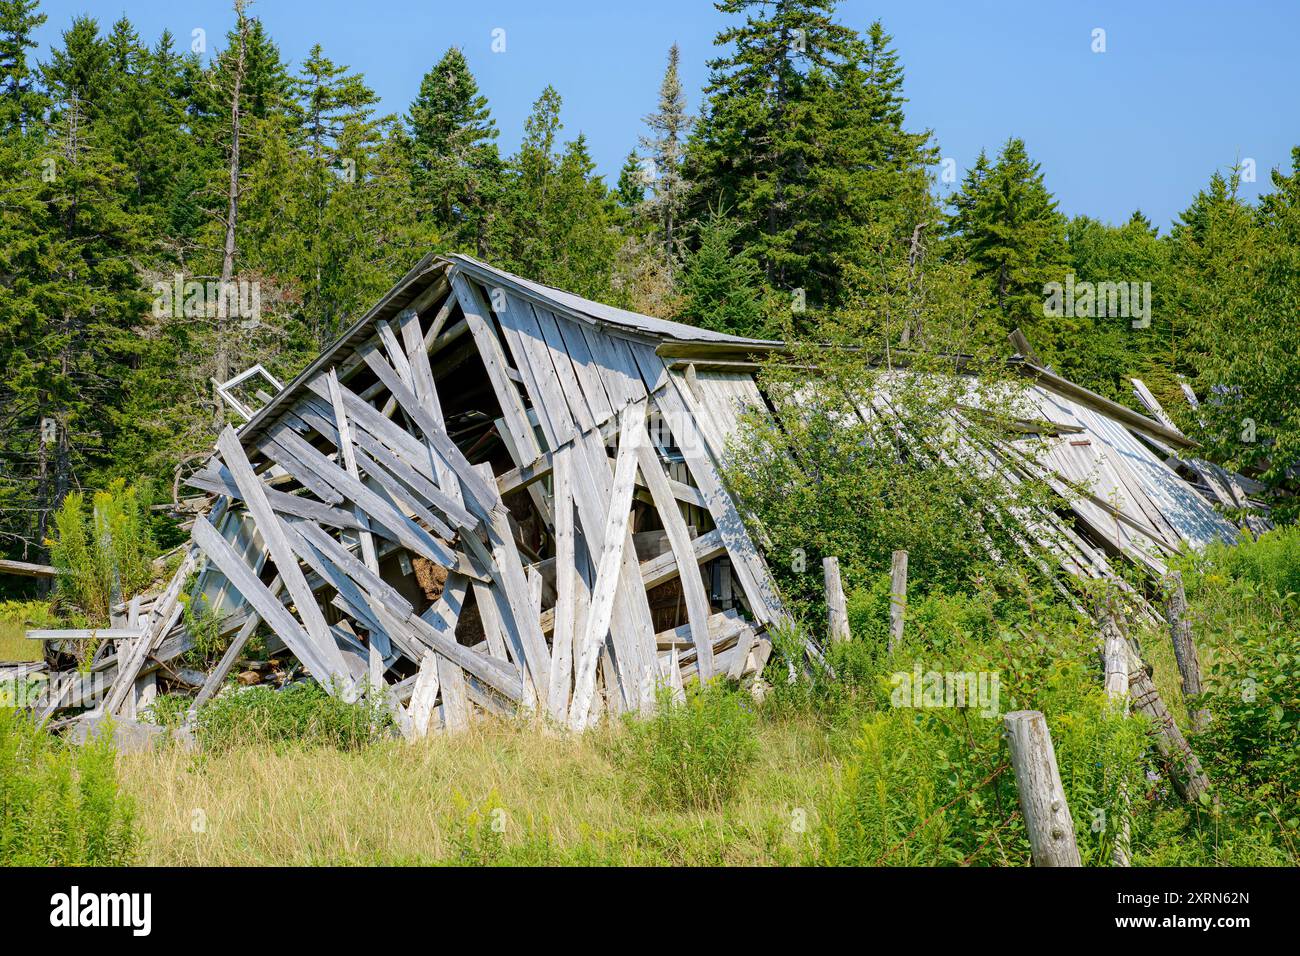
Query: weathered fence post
x,y
1190,780
897,598
1115,656
1042,798
835,604
1189,665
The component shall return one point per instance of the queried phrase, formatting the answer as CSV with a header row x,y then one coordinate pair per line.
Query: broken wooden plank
x,y
566,574
679,540
631,435
27,569
268,606
277,543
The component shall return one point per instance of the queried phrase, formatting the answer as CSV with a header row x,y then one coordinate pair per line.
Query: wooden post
x,y
1189,665
835,604
1115,655
1189,779
897,598
1042,798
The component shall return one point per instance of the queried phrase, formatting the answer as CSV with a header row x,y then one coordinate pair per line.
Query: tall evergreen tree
x,y
631,187
559,221
720,290
1006,223
454,153
669,126
802,139
67,306
21,101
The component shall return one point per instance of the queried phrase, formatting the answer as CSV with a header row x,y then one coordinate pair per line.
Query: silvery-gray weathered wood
x,y
1038,783
679,539
377,510
300,507
86,633
424,695
267,605
1115,656
277,543
1189,664
1189,779
836,607
478,493
566,574
897,598
476,315
455,700
631,434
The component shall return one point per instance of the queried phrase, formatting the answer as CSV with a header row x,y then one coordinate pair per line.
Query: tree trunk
x,y
222,358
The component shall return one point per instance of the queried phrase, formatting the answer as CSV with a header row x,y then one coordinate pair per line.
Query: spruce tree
x,y
720,290
453,150
21,101
802,138
559,222
669,126
1006,223
70,244
631,187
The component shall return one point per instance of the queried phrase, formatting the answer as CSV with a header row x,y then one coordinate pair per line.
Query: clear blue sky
x,y
1184,87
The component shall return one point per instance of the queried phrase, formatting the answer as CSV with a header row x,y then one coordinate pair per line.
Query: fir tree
x,y
21,102
664,147
1005,222
720,290
454,153
631,182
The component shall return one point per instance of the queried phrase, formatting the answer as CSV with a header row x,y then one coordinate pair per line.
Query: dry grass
x,y
14,645
552,799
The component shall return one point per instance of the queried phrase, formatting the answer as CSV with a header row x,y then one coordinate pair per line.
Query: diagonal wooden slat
x,y
631,433
286,561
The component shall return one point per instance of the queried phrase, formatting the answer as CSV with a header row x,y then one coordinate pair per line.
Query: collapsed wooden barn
x,y
433,505
491,495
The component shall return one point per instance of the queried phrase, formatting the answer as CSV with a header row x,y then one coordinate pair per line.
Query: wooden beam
x,y
267,605
679,540
897,598
26,570
631,435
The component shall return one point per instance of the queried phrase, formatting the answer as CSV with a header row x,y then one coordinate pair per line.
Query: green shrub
x,y
1271,562
169,710
109,549
300,714
1252,744
694,754
59,804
